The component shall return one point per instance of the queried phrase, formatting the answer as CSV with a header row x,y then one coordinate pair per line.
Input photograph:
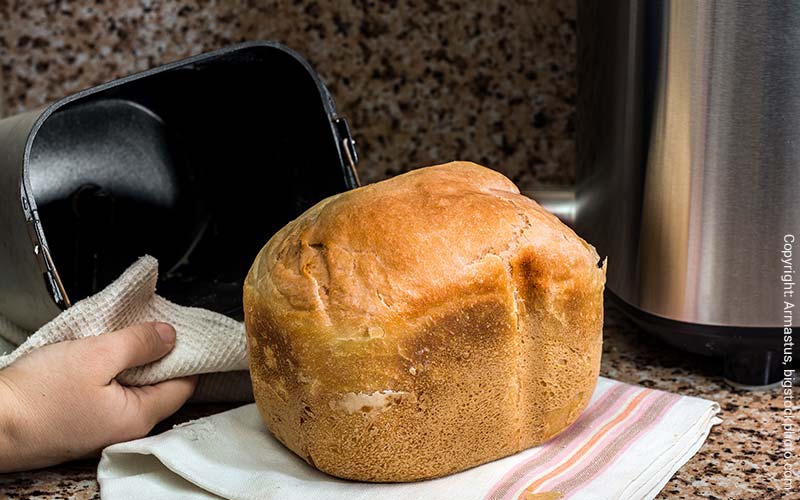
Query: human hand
x,y
62,401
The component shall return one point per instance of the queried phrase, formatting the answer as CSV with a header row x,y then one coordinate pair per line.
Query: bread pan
x,y
197,163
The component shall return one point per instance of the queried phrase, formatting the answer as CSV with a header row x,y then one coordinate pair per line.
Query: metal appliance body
x,y
689,167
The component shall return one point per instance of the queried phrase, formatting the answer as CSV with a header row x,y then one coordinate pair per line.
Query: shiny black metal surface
x,y
197,163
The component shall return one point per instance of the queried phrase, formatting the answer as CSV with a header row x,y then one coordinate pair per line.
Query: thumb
x,y
133,346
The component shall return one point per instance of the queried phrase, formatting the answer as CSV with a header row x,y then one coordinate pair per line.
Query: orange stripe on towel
x,y
586,447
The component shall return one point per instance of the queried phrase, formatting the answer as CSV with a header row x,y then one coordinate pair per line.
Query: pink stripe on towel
x,y
565,443
607,444
612,451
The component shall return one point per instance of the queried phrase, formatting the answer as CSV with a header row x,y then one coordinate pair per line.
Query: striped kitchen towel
x,y
626,445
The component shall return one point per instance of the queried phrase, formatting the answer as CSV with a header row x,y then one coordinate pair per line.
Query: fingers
x,y
133,346
154,403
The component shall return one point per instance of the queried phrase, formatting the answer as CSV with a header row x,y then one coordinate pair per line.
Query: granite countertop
x,y
420,82
739,460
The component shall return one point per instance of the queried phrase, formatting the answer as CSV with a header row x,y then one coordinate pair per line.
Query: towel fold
x,y
207,342
625,446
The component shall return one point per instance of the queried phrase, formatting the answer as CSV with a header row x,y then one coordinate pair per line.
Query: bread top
x,y
362,260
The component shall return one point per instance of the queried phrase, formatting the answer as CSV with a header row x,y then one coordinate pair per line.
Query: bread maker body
x,y
197,163
689,168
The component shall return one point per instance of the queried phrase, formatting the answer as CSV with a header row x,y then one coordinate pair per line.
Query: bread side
x,y
422,325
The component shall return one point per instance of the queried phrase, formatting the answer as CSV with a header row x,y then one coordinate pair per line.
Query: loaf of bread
x,y
423,325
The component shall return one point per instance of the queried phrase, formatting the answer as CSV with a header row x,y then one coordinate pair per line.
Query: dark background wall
x,y
422,82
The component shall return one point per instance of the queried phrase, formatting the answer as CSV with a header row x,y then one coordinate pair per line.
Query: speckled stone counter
x,y
421,82
738,461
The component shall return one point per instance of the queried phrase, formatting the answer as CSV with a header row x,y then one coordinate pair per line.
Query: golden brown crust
x,y
423,325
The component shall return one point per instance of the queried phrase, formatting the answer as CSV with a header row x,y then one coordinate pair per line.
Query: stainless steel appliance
x,y
689,168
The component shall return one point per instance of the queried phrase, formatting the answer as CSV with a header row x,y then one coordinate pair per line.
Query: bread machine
x,y
197,163
688,169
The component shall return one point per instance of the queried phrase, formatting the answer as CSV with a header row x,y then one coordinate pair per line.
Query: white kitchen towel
x,y
207,342
625,446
